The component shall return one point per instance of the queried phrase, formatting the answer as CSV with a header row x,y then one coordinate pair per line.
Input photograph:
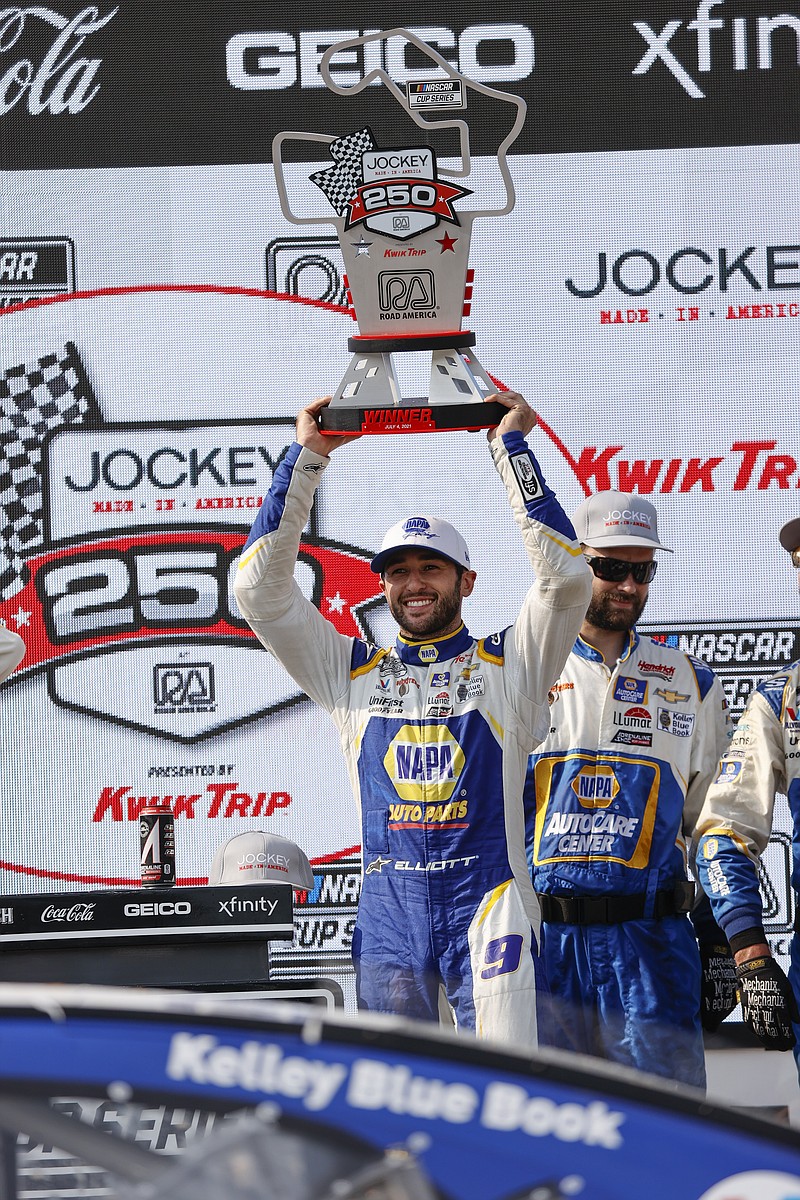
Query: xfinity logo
x,y
276,60
236,906
743,41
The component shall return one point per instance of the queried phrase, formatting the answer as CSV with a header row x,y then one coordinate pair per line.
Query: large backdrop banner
x,y
162,322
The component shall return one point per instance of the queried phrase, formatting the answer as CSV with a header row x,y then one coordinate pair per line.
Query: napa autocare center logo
x,y
143,529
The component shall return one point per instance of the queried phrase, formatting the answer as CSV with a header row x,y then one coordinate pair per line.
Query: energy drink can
x,y
157,847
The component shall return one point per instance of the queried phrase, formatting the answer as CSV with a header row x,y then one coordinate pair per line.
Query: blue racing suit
x,y
436,736
611,800
736,820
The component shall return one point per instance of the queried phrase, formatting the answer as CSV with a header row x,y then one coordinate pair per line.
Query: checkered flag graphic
x,y
35,399
340,182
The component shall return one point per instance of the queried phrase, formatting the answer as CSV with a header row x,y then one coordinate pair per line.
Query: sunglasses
x,y
614,570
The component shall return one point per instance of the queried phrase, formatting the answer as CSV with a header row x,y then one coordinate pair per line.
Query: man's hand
x,y
718,986
520,415
308,432
768,1003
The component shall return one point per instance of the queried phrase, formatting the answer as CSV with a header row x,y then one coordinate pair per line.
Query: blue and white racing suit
x,y
736,821
612,797
436,736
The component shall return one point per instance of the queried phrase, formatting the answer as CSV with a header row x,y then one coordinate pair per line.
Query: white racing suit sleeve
x,y
736,820
268,596
12,651
554,607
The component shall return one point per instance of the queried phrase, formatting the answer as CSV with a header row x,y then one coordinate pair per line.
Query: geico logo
x,y
159,908
169,467
276,60
689,271
766,645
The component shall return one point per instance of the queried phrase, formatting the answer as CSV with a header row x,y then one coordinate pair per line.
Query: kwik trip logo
x,y
143,530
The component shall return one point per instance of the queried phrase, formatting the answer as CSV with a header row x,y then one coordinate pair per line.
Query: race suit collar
x,y
584,649
436,649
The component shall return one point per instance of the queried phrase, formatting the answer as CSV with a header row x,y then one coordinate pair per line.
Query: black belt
x,y
611,910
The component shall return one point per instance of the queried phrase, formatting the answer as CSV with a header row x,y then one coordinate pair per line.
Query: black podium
x,y
209,939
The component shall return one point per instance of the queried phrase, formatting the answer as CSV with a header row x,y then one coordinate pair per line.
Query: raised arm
x,y
555,605
290,626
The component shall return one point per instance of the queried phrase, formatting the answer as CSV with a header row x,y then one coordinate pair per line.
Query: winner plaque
x,y
404,233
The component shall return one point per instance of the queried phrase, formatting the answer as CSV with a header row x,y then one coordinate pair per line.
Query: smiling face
x,y
617,606
424,592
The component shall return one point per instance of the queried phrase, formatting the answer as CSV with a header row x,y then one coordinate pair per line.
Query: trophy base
x,y
412,416
368,399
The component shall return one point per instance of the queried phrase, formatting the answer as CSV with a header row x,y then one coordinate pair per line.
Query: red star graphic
x,y
447,243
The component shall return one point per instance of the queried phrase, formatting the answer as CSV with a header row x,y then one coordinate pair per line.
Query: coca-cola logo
x,y
61,79
81,911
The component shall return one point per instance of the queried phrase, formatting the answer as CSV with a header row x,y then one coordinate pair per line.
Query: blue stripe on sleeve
x,y
544,507
271,511
730,880
703,674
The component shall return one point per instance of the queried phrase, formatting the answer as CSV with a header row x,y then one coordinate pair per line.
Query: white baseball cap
x,y
259,857
617,519
423,533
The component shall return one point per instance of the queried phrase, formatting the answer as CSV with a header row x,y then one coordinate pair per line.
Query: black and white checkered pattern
x,y
340,182
35,399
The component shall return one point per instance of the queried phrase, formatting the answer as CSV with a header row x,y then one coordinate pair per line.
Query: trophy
x,y
405,241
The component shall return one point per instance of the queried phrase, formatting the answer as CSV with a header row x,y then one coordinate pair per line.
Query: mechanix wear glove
x,y
718,987
768,1003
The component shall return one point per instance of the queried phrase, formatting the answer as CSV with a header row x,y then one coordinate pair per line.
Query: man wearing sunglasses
x,y
612,797
735,826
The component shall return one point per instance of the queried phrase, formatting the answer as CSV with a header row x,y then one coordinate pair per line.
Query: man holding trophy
x,y
436,732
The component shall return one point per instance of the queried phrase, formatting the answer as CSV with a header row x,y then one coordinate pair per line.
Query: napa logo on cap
x,y
417,527
427,770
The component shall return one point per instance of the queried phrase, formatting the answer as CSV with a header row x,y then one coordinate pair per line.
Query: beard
x,y
441,618
602,614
